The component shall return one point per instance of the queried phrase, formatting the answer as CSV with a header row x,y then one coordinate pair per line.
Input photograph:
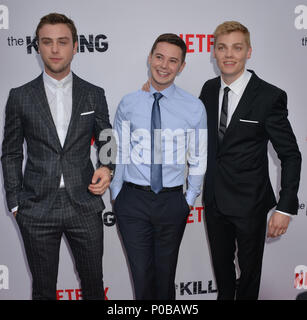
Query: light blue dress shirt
x,y
184,140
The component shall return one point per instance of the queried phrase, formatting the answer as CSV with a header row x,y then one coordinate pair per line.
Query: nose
x,y
228,53
164,64
55,47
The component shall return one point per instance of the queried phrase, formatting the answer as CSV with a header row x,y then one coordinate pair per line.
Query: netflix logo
x,y
196,215
74,294
197,43
300,277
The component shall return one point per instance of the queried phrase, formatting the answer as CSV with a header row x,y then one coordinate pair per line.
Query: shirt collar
x,y
168,92
53,84
239,84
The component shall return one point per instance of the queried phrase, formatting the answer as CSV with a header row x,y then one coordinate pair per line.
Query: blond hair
x,y
229,27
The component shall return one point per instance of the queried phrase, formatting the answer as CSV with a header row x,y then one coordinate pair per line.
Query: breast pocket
x,y
250,129
86,118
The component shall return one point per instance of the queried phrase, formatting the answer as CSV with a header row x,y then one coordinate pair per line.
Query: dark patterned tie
x,y
156,152
223,117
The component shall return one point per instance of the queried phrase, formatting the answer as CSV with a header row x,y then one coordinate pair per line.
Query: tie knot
x,y
157,96
226,90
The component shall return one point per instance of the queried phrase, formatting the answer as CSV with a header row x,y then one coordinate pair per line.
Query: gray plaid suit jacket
x,y
28,118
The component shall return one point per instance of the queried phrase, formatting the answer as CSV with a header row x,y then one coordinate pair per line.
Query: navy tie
x,y
156,152
223,117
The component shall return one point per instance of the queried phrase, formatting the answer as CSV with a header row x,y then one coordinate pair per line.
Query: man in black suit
x,y
60,192
237,191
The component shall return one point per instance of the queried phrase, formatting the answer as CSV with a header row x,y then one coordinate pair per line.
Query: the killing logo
x,y
91,43
196,288
109,219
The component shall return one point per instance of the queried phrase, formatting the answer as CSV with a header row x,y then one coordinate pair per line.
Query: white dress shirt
x,y
234,95
59,96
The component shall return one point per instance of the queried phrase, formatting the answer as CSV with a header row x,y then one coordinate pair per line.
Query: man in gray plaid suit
x,y
60,192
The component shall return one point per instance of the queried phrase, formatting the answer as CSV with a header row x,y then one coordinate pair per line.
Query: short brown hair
x,y
55,18
231,26
172,39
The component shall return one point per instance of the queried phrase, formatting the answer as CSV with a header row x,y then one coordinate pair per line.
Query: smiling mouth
x,y
162,74
229,63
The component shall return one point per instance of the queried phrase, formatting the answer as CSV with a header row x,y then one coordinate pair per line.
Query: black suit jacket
x,y
28,117
237,172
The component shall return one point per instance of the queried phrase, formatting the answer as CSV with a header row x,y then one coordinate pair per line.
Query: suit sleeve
x,y
12,150
202,93
284,143
103,132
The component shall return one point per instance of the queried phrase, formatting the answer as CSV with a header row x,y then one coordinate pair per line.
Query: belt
x,y
148,188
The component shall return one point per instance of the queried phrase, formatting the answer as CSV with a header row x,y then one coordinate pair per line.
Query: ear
x,y
75,48
182,67
149,59
213,53
249,52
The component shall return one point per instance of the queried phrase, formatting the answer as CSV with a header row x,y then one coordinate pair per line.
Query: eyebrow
x,y
161,54
233,44
60,38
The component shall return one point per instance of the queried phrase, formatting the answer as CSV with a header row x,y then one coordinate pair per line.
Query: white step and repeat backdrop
x,y
115,37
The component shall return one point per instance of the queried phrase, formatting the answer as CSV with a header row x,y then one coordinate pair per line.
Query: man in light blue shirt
x,y
160,133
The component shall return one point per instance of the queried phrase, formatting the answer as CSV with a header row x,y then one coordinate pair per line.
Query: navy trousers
x,y
152,226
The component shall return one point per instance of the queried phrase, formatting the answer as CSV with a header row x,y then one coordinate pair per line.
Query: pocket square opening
x,y
86,113
249,121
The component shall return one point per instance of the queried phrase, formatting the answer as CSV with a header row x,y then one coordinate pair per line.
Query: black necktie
x,y
223,117
156,152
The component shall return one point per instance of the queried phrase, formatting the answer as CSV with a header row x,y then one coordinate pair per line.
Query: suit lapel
x,y
245,104
215,112
38,94
78,96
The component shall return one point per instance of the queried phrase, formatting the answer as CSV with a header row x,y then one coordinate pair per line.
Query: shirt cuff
x,y
115,190
190,198
286,214
14,209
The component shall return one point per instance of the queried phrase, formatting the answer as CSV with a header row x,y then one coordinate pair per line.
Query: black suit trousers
x,y
42,238
228,234
152,227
